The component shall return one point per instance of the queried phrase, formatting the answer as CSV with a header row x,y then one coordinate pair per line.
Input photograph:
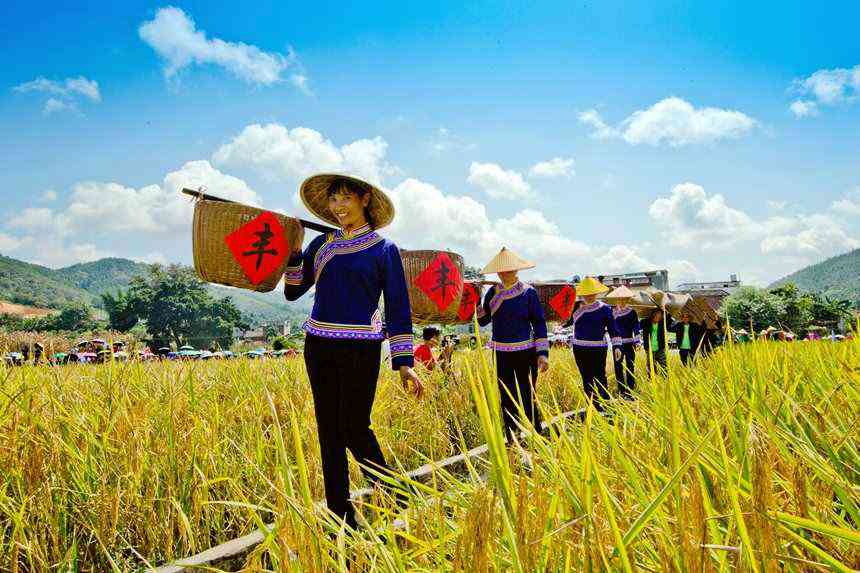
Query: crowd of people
x,y
353,267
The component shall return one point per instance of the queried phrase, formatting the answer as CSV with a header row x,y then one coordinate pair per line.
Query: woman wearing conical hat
x,y
630,332
591,323
519,338
351,268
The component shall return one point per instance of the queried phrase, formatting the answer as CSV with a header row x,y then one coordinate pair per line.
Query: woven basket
x,y
642,303
546,292
463,314
700,311
425,276
215,262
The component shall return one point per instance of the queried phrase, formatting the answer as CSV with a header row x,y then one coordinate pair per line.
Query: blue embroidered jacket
x,y
517,317
350,272
628,325
591,322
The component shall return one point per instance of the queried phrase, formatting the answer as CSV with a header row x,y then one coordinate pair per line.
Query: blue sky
x,y
707,138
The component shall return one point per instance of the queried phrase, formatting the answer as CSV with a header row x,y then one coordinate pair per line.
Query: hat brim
x,y
314,194
492,269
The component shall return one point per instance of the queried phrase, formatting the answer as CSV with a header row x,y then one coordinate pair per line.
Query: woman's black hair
x,y
430,333
352,187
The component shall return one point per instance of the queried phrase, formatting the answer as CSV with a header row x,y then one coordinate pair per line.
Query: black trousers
x,y
659,359
686,355
624,373
517,373
591,363
343,376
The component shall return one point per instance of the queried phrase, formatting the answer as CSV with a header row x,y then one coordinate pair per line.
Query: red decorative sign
x,y
259,246
441,281
562,303
469,302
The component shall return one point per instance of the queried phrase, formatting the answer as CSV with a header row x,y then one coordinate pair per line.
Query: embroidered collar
x,y
502,295
354,234
586,308
616,312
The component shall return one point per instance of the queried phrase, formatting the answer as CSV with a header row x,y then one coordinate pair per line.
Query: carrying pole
x,y
206,197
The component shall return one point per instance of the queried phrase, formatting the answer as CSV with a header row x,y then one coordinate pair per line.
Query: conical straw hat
x,y
314,193
620,292
506,261
590,285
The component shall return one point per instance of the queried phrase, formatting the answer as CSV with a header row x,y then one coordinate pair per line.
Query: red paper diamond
x,y
562,303
259,246
441,281
470,300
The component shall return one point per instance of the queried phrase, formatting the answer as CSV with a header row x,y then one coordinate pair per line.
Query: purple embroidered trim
x,y
337,246
341,331
586,308
511,346
630,340
293,275
542,344
503,295
617,312
616,340
588,343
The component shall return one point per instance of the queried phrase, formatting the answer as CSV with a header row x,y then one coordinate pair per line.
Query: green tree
x,y
472,273
797,308
753,304
122,312
75,317
176,306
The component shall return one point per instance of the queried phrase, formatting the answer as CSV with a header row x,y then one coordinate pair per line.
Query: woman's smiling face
x,y
348,207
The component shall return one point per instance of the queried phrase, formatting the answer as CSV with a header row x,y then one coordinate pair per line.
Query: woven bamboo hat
x,y
621,292
314,193
506,261
590,285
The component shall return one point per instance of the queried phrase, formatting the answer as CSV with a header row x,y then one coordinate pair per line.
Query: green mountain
x,y
34,285
837,277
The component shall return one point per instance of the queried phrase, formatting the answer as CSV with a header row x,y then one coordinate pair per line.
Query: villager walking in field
x,y
592,322
687,337
654,339
519,338
630,331
351,268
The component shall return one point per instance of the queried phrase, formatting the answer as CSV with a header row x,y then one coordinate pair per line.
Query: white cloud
x,y
693,219
32,218
153,258
64,93
281,153
555,167
593,118
174,36
68,88
54,105
681,270
498,183
804,108
829,87
49,196
675,122
777,205
622,259
9,243
815,235
848,205
429,218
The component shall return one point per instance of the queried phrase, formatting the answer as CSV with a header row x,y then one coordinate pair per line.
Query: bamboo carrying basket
x,y
213,260
546,291
479,288
424,309
700,311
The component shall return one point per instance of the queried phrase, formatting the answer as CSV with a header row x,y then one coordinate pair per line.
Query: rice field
x,y
749,461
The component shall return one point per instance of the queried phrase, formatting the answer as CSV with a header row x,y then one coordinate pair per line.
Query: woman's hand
x,y
543,363
617,354
407,375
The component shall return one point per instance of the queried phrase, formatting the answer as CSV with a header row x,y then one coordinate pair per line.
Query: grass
x,y
748,461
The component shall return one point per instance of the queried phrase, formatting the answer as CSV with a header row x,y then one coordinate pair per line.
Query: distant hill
x,y
34,285
837,277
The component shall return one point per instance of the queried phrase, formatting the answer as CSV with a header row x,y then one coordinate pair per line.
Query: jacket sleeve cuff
x,y
616,341
542,346
401,351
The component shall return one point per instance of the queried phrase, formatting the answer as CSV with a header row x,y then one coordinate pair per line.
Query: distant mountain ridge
x,y
837,277
35,285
